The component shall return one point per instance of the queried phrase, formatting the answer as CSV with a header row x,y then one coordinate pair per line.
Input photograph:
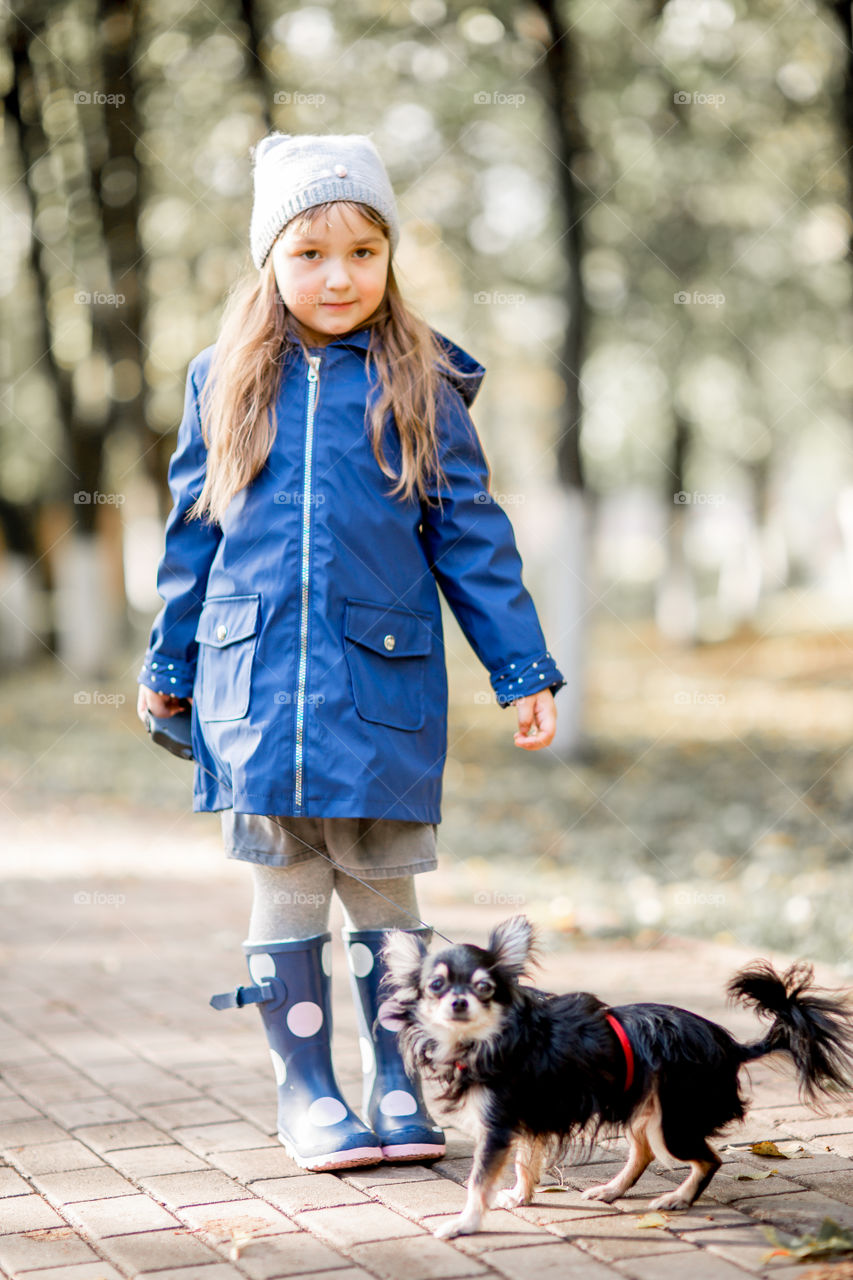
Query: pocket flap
x,y
226,619
395,633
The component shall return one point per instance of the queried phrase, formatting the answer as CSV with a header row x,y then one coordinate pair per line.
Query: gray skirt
x,y
376,848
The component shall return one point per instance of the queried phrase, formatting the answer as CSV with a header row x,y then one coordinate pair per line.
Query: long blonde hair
x,y
238,417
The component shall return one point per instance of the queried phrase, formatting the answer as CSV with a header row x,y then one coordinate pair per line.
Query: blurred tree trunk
x,y
85,607
573,597
676,603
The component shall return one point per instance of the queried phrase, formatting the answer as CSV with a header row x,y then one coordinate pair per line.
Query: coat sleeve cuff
x,y
167,675
520,679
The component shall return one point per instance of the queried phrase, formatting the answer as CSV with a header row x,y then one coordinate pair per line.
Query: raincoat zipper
x,y
302,672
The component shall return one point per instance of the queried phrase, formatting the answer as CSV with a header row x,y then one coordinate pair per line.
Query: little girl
x,y
327,480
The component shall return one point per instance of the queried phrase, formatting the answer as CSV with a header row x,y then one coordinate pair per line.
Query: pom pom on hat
x,y
294,172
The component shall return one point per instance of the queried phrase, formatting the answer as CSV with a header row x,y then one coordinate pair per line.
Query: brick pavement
x,y
137,1125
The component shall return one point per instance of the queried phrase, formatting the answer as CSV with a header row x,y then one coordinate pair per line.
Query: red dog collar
x,y
626,1049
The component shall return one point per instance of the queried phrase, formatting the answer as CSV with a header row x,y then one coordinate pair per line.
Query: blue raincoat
x,y
307,626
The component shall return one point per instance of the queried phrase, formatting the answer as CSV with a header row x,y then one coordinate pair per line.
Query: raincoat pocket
x,y
386,650
227,636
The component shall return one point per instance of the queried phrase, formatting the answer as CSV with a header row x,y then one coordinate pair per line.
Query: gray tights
x,y
294,902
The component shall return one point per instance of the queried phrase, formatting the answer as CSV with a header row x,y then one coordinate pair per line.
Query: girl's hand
x,y
537,721
159,704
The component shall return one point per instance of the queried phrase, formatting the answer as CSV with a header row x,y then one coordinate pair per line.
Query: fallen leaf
x,y
651,1220
767,1149
755,1177
830,1242
551,1187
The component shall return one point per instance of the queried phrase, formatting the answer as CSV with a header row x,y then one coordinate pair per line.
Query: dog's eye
x,y
484,988
436,985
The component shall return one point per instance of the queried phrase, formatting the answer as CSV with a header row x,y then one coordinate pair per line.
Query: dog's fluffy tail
x,y
815,1028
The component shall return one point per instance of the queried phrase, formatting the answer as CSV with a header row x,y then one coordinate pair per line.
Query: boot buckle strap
x,y
241,996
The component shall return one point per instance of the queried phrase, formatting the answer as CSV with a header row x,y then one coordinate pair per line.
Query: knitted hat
x,y
295,172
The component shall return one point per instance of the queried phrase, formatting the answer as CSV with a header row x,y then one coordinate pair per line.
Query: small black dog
x,y
541,1074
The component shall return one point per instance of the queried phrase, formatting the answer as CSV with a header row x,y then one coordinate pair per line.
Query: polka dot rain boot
x,y
393,1104
293,994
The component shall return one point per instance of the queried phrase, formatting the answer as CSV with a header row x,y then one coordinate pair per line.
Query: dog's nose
x,y
459,1004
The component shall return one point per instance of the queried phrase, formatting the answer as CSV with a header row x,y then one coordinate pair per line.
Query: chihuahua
x,y
539,1075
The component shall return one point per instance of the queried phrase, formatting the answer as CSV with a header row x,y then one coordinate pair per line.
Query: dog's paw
x,y
672,1200
509,1198
603,1192
456,1227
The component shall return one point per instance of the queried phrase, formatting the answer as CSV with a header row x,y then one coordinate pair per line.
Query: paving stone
x,y
25,1133
842,1143
99,1270
192,1111
745,1244
801,1210
12,1184
27,1213
619,1236
428,1259
291,1255
357,1224
698,1265
237,1218
14,1108
59,1247
88,1111
156,1250
838,1184
82,1184
728,1188
237,1135
264,1162
121,1135
502,1230
139,1162
206,1186
53,1157
546,1262
310,1191
380,1174
215,1271
120,1215
418,1199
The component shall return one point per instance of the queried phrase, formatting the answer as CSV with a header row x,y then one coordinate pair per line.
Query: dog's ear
x,y
402,956
512,944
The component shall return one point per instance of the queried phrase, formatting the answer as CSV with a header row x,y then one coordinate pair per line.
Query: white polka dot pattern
x,y
360,959
278,1067
326,959
326,1111
261,966
305,1018
398,1103
368,1057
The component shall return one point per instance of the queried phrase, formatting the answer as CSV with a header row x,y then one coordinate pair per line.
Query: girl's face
x,y
331,276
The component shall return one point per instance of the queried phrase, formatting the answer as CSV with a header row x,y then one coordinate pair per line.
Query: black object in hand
x,y
172,732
